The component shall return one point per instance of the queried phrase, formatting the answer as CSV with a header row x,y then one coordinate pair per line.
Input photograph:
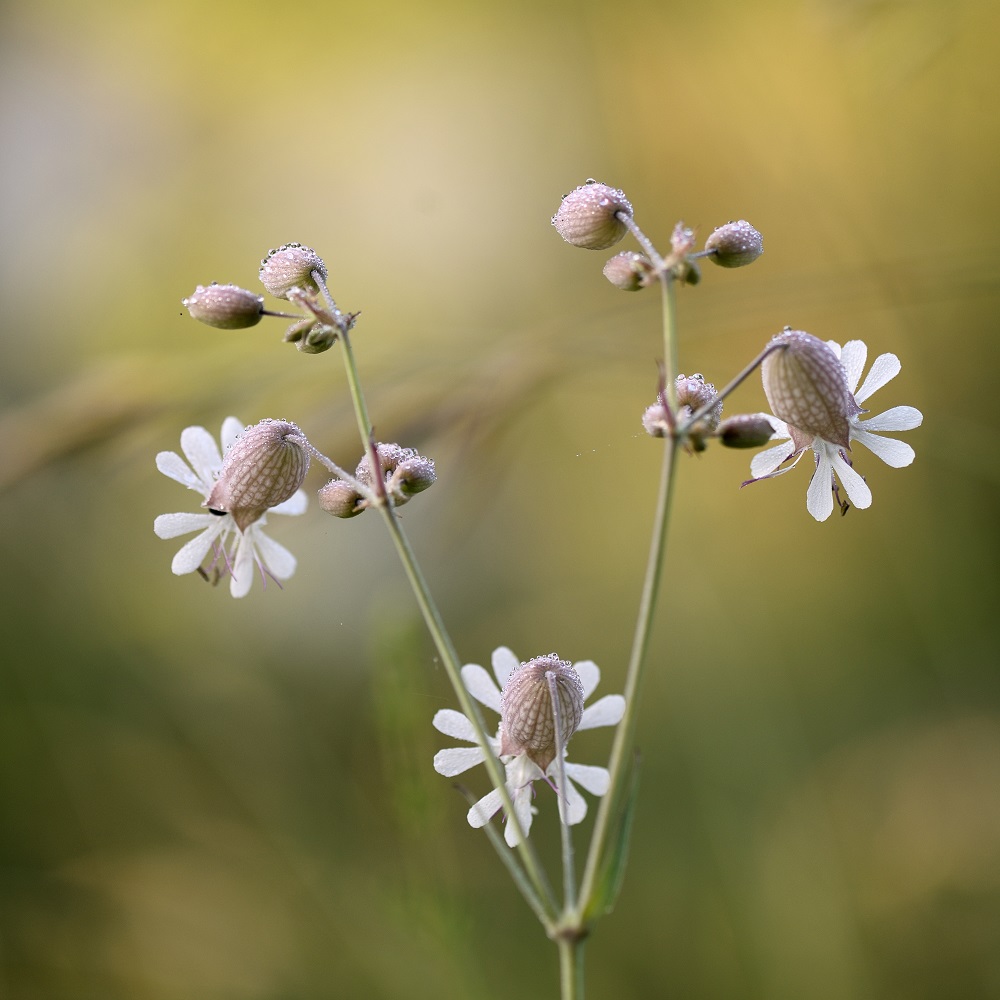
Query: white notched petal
x,y
481,686
884,369
294,505
819,495
590,676
596,780
897,454
455,760
454,724
243,567
899,418
857,489
191,555
852,357
202,452
172,525
766,462
278,561
484,810
525,814
504,664
171,464
606,711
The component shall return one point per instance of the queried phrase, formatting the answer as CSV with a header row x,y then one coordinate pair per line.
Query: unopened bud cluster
x,y
264,467
527,717
693,394
404,474
806,385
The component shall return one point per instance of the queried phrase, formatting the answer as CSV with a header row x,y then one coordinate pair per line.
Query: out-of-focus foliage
x,y
219,799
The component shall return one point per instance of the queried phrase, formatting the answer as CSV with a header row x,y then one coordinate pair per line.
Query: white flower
x,y
831,461
248,548
521,771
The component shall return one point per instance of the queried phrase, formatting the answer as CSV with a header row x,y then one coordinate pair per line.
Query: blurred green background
x,y
209,798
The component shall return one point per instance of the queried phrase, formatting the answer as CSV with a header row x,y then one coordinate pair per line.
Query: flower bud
x,y
806,385
655,421
693,393
628,271
735,244
746,430
226,307
264,466
527,721
291,266
404,472
587,216
341,499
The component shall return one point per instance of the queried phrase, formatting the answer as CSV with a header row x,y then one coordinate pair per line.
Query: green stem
x,y
621,750
446,650
570,968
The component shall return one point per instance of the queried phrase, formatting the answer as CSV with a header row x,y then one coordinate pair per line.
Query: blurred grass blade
x,y
613,871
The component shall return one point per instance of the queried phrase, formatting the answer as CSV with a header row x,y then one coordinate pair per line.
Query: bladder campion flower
x,y
832,462
248,546
521,770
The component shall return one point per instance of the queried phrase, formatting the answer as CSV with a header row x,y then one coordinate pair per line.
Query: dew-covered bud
x,y
681,240
291,266
341,499
405,472
806,385
746,430
735,244
693,393
527,721
587,216
227,307
264,466
628,270
655,421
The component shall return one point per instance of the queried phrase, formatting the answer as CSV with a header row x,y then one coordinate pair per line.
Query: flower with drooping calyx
x,y
832,462
234,550
588,216
521,761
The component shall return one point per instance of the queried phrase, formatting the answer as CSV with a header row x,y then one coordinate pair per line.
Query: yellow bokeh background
x,y
208,798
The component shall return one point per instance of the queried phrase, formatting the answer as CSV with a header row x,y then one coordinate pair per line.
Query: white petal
x,y
884,369
202,452
896,454
819,495
481,686
525,814
596,780
454,724
590,675
899,418
172,525
455,760
504,664
192,555
575,802
294,505
606,711
243,567
765,462
278,561
852,357
484,810
231,430
171,464
857,489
